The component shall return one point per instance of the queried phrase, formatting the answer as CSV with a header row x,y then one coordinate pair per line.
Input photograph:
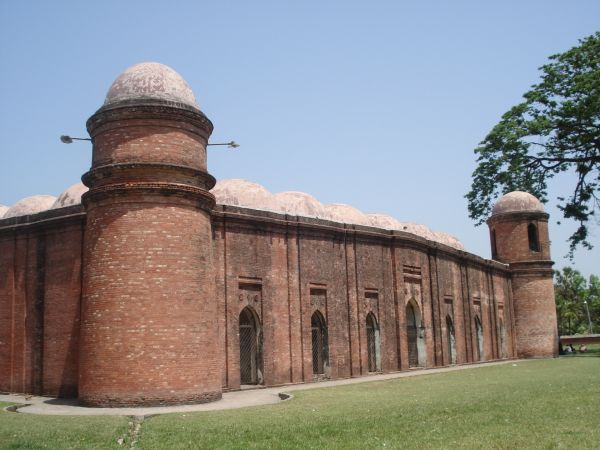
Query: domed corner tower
x,y
519,237
148,323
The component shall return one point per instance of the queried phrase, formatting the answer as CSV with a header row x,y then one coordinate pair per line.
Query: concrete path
x,y
230,400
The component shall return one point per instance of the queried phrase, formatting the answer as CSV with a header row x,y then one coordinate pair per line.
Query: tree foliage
x,y
571,290
555,129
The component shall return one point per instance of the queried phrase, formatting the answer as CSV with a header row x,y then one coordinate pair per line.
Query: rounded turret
x,y
519,237
148,336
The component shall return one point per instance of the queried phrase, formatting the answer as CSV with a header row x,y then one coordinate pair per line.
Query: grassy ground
x,y
28,431
533,404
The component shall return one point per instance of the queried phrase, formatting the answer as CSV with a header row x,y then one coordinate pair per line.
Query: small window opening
x,y
532,234
320,346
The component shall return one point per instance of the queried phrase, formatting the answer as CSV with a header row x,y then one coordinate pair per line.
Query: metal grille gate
x,y
411,335
319,344
248,349
371,345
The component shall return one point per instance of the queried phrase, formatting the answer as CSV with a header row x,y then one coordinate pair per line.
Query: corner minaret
x,y
148,320
519,237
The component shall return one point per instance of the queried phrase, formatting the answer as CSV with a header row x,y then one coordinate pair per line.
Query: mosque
x,y
153,284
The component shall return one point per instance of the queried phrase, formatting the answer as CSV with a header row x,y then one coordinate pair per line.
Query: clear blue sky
x,y
375,104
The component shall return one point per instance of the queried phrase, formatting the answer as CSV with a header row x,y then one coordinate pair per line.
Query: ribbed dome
x,y
30,205
71,196
419,230
237,192
300,204
517,201
246,194
339,212
150,81
449,240
384,221
3,210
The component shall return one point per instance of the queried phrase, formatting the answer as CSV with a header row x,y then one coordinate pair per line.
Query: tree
x,y
555,129
570,289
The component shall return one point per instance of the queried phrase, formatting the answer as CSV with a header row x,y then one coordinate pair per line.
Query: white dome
x,y
150,80
517,201
30,205
71,196
419,230
236,192
339,212
449,240
3,210
300,204
384,221
246,194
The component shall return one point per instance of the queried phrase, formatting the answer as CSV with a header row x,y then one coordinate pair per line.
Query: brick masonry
x,y
135,298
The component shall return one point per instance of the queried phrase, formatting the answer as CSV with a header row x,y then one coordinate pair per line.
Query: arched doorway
x,y
503,351
373,344
451,340
415,336
320,347
479,339
250,348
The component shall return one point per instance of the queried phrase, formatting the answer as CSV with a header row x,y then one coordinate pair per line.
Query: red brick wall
x,y
535,316
135,316
532,293
148,331
39,305
149,321
62,296
359,273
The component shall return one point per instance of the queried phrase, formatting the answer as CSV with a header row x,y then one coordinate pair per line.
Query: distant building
x,y
145,291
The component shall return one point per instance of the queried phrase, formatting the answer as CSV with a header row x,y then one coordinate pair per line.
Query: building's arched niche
x,y
479,339
494,248
503,351
415,334
532,236
373,344
320,346
251,370
451,340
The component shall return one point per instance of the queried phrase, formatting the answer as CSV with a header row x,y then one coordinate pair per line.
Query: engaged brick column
x,y
149,317
519,236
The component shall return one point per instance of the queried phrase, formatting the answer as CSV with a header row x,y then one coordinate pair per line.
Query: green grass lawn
x,y
28,431
535,404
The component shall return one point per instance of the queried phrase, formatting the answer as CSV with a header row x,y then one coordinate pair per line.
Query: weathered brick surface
x,y
39,307
535,330
62,295
137,299
148,331
272,264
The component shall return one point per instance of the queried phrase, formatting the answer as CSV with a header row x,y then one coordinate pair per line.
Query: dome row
x,y
236,192
251,195
38,203
246,194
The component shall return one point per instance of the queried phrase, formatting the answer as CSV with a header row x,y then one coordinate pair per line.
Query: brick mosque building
x,y
157,287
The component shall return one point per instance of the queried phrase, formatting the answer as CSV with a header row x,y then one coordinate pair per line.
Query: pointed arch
x,y
503,352
451,338
415,335
373,344
250,332
533,238
494,247
320,345
479,339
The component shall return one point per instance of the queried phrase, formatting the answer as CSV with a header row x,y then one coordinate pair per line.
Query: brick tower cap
x,y
150,81
517,201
